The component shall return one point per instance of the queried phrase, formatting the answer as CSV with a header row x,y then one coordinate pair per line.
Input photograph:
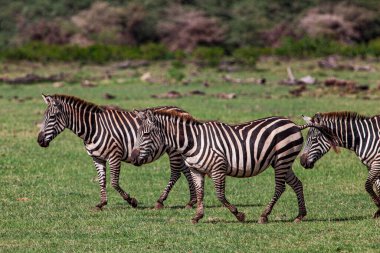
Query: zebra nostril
x,y
135,154
41,140
303,159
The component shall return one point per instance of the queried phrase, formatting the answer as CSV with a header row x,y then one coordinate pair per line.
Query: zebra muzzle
x,y
304,159
41,140
134,156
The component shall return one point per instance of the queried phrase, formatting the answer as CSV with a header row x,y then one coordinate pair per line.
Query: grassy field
x,y
47,195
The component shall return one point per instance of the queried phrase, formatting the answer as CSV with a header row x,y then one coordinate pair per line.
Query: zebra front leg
x,y
219,179
100,166
279,189
176,166
198,179
373,176
177,162
175,174
296,184
115,172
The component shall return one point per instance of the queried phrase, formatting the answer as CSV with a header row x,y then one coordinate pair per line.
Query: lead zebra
x,y
352,131
108,133
218,149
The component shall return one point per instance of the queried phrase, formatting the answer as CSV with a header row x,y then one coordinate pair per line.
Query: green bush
x,y
307,47
359,50
374,47
93,54
153,51
176,73
210,56
247,55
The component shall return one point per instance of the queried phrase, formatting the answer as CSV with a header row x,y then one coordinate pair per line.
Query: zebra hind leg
x,y
279,189
296,184
115,172
100,166
219,183
198,179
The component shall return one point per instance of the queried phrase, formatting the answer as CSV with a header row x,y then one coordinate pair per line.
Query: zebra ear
x,y
306,119
48,99
149,115
57,104
139,114
317,117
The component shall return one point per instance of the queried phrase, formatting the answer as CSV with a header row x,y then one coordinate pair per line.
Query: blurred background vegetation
x,y
205,30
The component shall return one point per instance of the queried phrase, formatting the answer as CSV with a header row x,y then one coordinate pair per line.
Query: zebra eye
x,y
146,134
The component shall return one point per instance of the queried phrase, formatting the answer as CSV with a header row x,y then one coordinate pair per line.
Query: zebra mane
x,y
340,115
175,112
78,102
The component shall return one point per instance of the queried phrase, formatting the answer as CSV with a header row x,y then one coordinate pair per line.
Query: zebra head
x,y
53,123
317,143
148,140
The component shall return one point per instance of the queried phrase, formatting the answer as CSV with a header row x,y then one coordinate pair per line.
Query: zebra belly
x,y
251,168
192,163
205,164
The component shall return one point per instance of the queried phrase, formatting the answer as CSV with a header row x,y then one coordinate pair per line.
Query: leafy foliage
x,y
186,24
247,55
186,29
209,56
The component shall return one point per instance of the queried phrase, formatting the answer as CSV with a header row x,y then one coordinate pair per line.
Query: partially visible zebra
x,y
218,150
108,133
352,131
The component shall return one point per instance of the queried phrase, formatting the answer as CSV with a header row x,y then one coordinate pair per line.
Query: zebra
x,y
352,131
109,134
219,150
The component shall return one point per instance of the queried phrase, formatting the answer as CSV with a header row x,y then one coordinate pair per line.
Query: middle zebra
x,y
219,149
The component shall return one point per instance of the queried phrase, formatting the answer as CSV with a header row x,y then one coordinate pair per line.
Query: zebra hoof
x,y
194,220
263,220
133,202
377,214
298,220
188,206
159,205
99,207
240,217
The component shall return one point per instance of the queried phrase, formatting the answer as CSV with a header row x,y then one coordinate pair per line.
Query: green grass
x,y
61,188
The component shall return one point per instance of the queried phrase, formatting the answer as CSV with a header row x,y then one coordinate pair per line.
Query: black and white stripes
x,y
109,134
218,149
352,131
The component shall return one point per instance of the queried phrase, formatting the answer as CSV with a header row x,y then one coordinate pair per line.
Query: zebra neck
x,y
82,123
347,131
180,135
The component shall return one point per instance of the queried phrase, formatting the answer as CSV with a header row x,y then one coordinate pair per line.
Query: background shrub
x,y
153,51
209,56
247,55
186,28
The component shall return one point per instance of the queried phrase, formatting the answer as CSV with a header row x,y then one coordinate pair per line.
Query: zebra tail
x,y
302,127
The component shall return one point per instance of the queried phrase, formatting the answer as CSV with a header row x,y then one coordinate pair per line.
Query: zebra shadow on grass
x,y
290,220
151,207
214,206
